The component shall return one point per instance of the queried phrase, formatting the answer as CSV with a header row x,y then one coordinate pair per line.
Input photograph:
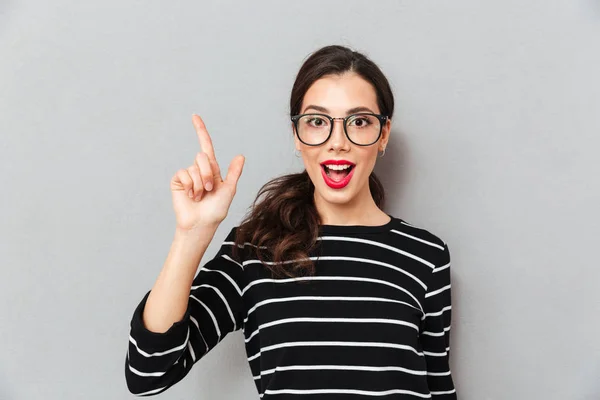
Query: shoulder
x,y
229,234
436,247
238,245
420,233
228,243
232,237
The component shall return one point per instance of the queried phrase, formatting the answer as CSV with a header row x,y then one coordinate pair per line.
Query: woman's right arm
x,y
181,318
168,299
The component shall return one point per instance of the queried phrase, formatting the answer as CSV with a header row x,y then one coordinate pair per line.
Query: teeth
x,y
337,167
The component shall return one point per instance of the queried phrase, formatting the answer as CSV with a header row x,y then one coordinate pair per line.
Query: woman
x,y
364,308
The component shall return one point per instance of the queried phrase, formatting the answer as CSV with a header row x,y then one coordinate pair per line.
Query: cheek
x,y
367,166
311,162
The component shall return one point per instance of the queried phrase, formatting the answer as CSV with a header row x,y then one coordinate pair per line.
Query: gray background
x,y
494,148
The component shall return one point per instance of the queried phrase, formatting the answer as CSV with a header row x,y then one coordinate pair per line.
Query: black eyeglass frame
x,y
382,119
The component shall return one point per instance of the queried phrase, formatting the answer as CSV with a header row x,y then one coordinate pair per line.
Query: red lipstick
x,y
337,184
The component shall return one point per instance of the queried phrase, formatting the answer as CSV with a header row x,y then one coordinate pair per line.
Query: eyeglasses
x,y
362,129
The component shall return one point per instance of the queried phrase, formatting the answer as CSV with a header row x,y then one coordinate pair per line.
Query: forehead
x,y
341,92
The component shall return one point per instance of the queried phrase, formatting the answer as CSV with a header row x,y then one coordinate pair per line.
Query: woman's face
x,y
339,96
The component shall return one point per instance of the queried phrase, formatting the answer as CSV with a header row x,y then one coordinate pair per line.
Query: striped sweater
x,y
373,322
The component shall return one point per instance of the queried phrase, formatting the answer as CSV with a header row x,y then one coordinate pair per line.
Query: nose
x,y
338,136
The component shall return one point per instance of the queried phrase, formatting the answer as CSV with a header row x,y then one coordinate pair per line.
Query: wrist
x,y
196,232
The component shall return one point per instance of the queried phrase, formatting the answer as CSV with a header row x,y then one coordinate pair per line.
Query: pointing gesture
x,y
207,147
201,198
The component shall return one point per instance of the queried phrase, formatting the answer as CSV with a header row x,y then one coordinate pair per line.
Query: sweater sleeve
x,y
435,330
156,361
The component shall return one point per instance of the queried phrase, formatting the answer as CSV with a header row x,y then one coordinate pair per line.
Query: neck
x,y
361,210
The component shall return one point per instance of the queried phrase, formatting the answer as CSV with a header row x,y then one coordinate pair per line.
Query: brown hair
x,y
285,224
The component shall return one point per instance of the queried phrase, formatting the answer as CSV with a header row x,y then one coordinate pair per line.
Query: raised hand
x,y
201,198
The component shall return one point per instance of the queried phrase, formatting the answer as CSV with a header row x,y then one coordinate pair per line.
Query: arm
x,y
435,330
182,318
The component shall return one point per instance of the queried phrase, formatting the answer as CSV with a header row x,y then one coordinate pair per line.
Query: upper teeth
x,y
337,167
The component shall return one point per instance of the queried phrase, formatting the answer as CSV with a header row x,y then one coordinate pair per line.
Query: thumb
x,y
235,170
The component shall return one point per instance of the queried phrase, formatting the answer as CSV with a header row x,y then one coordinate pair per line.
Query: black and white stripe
x,y
374,321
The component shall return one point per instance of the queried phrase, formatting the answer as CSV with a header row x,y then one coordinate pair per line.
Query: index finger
x,y
203,137
206,146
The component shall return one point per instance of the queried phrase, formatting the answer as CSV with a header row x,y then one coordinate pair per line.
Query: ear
x,y
385,132
297,142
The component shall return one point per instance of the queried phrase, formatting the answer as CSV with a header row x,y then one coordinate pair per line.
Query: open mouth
x,y
337,175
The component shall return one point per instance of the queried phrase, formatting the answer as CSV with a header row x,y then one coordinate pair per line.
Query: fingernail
x,y
208,186
191,194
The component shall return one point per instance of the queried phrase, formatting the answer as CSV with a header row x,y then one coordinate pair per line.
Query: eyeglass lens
x,y
362,128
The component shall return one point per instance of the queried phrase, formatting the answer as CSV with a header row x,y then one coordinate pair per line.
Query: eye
x,y
359,121
316,121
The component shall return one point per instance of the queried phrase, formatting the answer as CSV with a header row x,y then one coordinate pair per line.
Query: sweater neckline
x,y
342,229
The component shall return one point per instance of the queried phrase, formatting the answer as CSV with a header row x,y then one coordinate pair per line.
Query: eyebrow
x,y
348,112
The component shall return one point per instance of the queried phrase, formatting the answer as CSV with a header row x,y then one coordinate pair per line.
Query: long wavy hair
x,y
283,222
